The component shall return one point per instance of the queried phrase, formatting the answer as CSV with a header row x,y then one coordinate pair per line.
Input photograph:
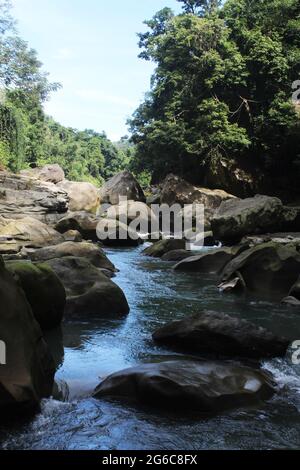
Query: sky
x,y
91,48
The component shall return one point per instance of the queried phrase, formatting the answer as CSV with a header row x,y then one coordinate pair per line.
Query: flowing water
x,y
91,349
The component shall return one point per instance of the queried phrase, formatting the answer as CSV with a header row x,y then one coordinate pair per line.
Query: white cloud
x,y
102,97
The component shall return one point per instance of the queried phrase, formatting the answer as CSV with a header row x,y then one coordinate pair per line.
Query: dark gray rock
x,y
205,387
216,333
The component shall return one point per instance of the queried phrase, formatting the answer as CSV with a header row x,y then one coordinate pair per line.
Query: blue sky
x,y
90,47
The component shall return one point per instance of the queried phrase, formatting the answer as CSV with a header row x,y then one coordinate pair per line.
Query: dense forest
x,y
221,92
28,137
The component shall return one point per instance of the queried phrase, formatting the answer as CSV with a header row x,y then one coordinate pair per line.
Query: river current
x,y
89,349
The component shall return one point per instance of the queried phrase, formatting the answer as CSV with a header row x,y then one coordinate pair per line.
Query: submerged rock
x,y
237,218
267,269
216,333
205,387
43,289
160,248
123,184
89,291
28,374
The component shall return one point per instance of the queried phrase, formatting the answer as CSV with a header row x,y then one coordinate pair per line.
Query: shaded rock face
x,y
216,333
175,190
237,218
160,248
229,175
28,374
27,232
83,222
22,196
83,196
205,387
89,291
213,261
89,251
114,233
48,173
122,184
267,269
44,291
295,290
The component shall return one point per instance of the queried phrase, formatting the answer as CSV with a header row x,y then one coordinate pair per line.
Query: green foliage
x,y
222,87
28,138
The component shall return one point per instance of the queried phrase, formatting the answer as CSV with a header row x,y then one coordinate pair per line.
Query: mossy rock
x,y
43,289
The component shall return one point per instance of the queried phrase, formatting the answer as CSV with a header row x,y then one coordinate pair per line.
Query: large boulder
x,y
27,232
22,196
267,269
216,333
114,233
89,291
261,214
44,291
129,211
28,374
206,387
212,261
83,222
160,248
176,190
89,251
83,196
123,184
52,173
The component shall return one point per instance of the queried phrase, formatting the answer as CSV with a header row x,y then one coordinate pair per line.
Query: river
x,y
95,348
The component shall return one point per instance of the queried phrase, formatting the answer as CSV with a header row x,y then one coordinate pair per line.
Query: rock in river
x,y
212,261
43,289
89,291
205,387
90,251
28,374
160,248
237,218
266,269
216,333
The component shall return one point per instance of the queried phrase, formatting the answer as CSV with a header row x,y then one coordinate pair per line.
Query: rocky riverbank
x,y
53,268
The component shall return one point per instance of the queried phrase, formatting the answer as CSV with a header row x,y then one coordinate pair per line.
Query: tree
x,y
200,7
221,89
